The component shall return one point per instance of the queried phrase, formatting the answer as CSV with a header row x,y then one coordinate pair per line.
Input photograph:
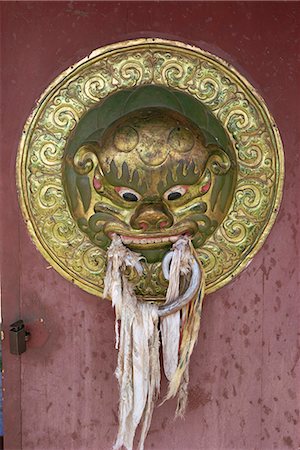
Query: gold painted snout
x,y
151,218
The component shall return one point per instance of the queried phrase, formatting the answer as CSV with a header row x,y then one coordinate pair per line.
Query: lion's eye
x,y
129,195
174,195
175,192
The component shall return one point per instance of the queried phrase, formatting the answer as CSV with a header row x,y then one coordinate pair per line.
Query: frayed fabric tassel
x,y
176,356
170,325
190,325
138,367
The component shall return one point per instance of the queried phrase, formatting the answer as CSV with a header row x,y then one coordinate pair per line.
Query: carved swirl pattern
x,y
126,65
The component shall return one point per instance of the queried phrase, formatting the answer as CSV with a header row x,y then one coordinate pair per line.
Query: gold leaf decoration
x,y
125,65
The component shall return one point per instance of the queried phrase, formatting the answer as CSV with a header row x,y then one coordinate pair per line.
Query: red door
x,y
61,393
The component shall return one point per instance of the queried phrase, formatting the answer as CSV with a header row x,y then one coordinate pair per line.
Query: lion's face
x,y
153,180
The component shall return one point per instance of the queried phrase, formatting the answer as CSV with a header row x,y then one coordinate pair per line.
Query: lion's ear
x,y
220,167
79,171
219,162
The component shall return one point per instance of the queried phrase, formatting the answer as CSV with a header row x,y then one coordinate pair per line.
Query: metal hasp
x,y
18,337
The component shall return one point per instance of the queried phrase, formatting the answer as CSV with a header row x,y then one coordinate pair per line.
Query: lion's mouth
x,y
149,241
130,240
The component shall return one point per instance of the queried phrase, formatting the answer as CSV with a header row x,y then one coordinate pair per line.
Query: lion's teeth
x,y
126,240
132,240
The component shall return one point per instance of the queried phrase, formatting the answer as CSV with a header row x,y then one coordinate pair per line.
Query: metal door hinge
x,y
18,337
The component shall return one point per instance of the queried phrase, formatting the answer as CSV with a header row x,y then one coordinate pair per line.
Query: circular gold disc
x,y
177,66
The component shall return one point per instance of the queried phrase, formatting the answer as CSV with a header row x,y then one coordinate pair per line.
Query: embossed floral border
x,y
124,65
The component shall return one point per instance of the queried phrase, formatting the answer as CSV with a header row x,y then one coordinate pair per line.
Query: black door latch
x,y
18,337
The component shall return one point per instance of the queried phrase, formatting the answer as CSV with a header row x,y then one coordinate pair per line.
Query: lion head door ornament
x,y
150,172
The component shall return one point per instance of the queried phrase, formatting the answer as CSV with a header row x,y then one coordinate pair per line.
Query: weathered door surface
x,y
244,390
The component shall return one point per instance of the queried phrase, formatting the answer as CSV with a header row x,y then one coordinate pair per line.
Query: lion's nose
x,y
151,217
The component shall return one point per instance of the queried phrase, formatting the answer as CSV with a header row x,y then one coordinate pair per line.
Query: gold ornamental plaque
x,y
149,139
